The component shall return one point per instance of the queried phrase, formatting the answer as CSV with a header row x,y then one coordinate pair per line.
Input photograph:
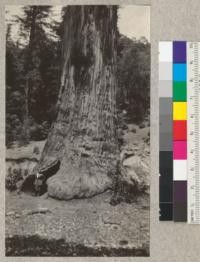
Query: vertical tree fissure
x,y
83,137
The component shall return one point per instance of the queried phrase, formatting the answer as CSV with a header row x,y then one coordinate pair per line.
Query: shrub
x,y
13,128
142,126
13,176
133,130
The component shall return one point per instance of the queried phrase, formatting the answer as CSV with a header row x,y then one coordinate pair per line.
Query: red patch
x,y
179,130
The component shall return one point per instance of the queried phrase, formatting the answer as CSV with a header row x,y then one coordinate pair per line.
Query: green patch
x,y
179,91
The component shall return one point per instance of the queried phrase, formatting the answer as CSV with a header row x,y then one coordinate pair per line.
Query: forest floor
x,y
42,226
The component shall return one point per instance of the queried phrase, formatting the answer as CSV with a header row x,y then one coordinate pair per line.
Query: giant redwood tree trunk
x,y
83,137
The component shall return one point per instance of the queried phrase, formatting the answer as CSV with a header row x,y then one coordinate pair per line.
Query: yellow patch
x,y
179,110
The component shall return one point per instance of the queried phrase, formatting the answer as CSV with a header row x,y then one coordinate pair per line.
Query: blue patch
x,y
179,72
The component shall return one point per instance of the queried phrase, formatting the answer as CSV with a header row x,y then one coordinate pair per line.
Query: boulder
x,y
136,173
133,178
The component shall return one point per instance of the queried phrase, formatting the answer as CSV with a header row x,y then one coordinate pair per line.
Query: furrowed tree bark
x,y
83,137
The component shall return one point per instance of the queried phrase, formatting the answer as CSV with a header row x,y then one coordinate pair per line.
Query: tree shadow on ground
x,y
36,246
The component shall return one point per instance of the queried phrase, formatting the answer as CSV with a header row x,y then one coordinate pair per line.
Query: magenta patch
x,y
180,150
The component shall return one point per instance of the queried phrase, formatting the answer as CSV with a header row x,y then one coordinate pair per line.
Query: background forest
x,y
33,70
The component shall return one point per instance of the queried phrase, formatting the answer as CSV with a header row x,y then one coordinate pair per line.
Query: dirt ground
x,y
42,226
91,222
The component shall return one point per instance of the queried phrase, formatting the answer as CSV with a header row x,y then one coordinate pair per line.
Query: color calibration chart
x,y
179,133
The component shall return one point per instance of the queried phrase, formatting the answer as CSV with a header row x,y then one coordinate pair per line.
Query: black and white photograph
x,y
77,180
